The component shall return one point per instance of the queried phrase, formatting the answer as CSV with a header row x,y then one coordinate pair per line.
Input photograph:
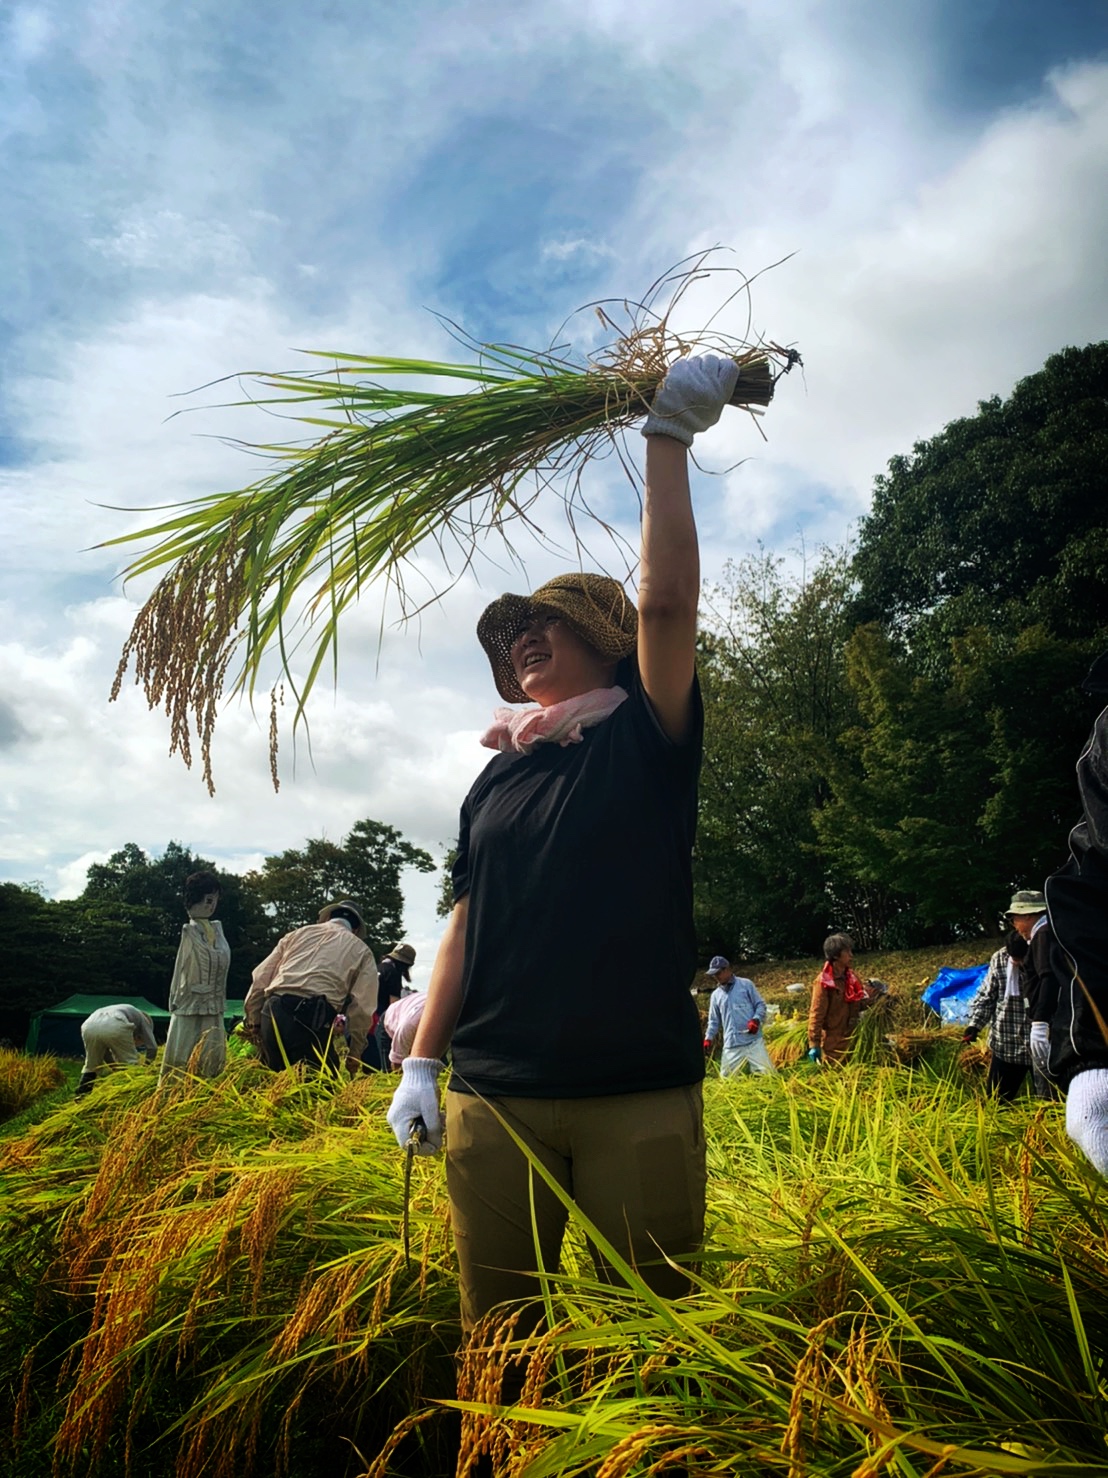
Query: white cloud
x,y
166,239
971,280
565,248
29,32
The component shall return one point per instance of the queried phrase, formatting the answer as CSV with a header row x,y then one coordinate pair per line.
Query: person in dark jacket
x,y
1077,898
394,973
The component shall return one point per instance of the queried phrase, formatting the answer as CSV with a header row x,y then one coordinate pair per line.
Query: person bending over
x,y
315,974
113,1036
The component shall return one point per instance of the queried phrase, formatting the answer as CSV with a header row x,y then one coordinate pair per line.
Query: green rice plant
x,y
233,1253
901,1276
787,1040
23,1079
892,1318
400,452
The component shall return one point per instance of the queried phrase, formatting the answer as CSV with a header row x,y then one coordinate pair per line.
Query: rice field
x,y
900,1278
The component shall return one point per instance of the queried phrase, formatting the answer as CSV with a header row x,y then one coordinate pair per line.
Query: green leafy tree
x,y
33,958
364,867
132,878
949,792
983,592
57,949
444,904
771,668
998,521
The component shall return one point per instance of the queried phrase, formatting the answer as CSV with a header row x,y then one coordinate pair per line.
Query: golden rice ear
x,y
272,567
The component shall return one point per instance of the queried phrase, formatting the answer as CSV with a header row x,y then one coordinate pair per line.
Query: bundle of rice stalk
x,y
787,1041
974,1061
23,1079
403,451
910,1046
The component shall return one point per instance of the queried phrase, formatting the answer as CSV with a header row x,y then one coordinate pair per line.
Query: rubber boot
x,y
85,1085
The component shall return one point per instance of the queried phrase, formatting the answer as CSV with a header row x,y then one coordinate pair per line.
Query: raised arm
x,y
669,585
691,399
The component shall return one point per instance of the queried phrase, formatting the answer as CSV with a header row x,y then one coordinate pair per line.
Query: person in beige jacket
x,y
315,974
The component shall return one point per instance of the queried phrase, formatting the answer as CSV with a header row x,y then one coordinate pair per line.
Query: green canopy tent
x,y
57,1029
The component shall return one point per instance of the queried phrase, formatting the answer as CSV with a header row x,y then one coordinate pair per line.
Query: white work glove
x,y
417,1097
1040,1046
692,397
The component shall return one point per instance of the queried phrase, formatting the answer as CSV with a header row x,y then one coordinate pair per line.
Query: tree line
x,y
120,937
891,734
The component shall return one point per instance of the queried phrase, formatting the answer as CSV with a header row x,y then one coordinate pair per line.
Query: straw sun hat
x,y
596,607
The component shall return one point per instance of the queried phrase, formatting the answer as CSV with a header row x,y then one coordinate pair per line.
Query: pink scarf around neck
x,y
520,729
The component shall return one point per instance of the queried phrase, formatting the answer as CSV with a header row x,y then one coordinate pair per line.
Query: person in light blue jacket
x,y
739,1012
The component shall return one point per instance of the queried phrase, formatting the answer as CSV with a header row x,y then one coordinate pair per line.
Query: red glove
x,y
707,1044
753,1024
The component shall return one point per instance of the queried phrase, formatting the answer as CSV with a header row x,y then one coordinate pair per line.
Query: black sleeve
x,y
1046,992
459,873
686,754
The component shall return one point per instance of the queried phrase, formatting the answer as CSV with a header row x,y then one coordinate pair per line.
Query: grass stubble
x,y
900,1278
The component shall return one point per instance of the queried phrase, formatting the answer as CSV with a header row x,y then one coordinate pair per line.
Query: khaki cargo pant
x,y
633,1163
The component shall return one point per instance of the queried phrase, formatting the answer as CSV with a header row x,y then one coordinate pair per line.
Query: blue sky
x,y
194,189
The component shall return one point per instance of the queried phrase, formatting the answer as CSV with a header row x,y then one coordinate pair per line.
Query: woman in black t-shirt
x,y
561,985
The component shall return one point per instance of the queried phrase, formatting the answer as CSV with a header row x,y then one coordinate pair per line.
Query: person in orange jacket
x,y
838,999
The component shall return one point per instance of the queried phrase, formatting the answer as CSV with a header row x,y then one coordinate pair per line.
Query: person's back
x,y
112,1036
315,974
1001,1004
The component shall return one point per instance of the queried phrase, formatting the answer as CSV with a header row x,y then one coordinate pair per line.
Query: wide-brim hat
x,y
328,912
403,954
1027,901
597,608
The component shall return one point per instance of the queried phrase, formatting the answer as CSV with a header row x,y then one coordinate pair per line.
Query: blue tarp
x,y
950,993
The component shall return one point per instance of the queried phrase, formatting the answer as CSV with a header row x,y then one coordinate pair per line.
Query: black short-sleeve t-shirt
x,y
579,945
390,983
